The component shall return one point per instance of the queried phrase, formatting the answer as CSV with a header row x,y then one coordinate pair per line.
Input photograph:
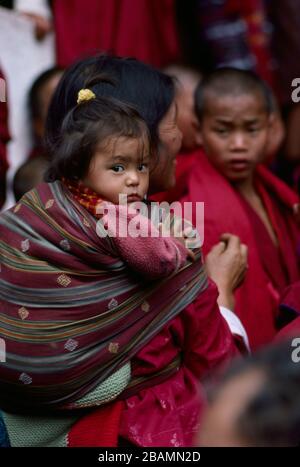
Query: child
x,y
242,197
88,309
118,172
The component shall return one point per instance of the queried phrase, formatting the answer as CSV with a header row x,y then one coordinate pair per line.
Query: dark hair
x,y
232,81
272,416
86,126
34,97
150,91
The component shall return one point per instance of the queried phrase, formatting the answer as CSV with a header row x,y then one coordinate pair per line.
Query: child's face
x,y
118,168
234,131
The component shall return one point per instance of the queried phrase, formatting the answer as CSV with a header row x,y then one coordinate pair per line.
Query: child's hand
x,y
181,237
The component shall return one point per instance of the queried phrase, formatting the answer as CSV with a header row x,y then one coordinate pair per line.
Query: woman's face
x,y
162,174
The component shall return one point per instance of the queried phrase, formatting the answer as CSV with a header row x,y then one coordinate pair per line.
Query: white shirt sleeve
x,y
235,325
38,7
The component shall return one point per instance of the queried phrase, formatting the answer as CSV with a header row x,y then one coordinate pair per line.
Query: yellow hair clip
x,y
85,95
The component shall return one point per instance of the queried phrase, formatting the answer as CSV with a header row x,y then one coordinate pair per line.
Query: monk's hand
x,y
226,265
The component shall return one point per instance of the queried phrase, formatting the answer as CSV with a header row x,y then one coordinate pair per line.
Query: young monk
x,y
243,197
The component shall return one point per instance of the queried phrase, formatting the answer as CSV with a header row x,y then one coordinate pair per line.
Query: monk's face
x,y
187,120
219,426
234,132
162,168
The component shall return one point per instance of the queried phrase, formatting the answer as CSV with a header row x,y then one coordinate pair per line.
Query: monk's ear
x,y
197,126
198,138
271,120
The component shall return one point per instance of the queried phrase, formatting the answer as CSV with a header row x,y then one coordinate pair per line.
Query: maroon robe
x,y
270,268
139,28
4,138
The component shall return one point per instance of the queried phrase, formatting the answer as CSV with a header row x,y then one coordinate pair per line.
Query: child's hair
x,y
148,90
34,97
272,416
87,126
232,82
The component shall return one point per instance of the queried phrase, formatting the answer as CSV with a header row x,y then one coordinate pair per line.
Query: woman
x,y
163,407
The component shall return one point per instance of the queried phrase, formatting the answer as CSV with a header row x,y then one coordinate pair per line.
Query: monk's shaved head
x,y
232,82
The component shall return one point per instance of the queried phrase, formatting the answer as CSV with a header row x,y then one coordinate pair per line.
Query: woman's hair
x,y
148,90
88,127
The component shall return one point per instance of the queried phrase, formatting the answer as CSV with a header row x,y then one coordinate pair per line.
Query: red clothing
x,y
290,330
291,298
290,303
184,166
257,299
138,28
4,138
168,414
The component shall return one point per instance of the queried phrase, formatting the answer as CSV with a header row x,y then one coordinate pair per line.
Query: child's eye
x,y
143,167
118,168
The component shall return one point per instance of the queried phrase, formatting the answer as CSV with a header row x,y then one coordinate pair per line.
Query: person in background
x,y
242,197
29,175
257,402
186,82
32,171
39,98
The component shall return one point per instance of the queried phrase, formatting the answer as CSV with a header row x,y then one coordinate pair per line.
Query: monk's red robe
x,y
4,138
290,303
137,28
270,268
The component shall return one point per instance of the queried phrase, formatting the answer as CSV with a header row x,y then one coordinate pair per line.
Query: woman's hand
x,y
226,265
